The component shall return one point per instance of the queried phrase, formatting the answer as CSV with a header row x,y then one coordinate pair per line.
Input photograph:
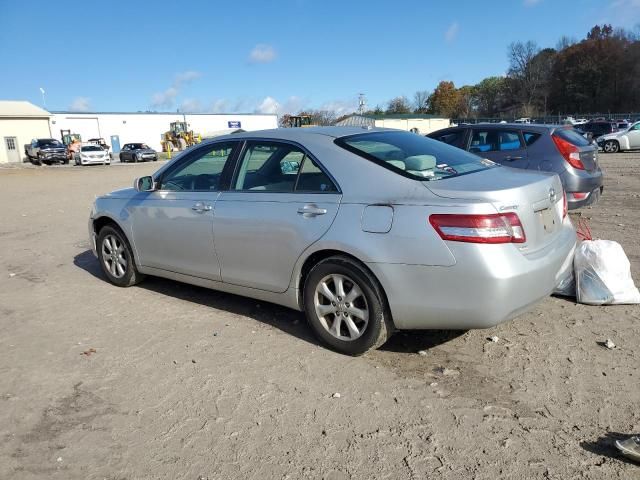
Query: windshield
x,y
50,141
414,156
139,146
91,148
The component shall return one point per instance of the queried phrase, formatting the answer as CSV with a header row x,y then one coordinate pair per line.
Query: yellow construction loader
x,y
178,137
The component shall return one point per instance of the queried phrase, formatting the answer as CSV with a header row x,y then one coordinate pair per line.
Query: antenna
x,y
362,103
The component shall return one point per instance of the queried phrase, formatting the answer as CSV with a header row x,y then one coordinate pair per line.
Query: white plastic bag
x,y
603,274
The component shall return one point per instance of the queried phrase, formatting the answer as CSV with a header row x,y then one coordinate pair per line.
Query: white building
x,y
20,122
410,122
148,127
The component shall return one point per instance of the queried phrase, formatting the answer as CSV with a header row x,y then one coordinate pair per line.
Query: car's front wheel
x,y
116,257
611,146
346,307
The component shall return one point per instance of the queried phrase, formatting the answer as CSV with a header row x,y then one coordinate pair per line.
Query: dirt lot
x,y
189,383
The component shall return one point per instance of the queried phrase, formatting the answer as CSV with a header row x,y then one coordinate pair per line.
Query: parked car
x,y
137,152
628,139
366,231
523,120
100,142
46,150
621,125
597,129
91,154
549,148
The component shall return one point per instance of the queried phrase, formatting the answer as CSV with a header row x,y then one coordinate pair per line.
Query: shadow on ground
x,y
285,319
605,446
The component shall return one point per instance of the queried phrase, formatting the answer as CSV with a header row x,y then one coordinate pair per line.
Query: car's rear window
x,y
571,136
414,156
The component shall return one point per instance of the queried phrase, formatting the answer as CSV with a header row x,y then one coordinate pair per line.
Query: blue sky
x,y
270,56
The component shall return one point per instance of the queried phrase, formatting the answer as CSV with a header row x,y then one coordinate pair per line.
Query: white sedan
x,y
91,155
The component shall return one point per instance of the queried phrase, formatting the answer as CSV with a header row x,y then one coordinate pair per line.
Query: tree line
x,y
598,74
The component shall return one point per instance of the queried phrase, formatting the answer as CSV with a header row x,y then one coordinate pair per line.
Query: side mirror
x,y
144,184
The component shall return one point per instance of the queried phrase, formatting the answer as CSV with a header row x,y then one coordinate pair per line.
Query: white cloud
x,y
268,105
80,104
167,98
262,53
191,105
340,107
531,3
452,32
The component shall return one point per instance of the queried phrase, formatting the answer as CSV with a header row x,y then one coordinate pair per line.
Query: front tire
x,y
346,307
116,257
611,146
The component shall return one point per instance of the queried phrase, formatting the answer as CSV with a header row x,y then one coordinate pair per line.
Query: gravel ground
x,y
166,380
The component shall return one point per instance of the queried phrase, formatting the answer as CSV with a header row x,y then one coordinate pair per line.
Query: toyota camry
x,y
367,231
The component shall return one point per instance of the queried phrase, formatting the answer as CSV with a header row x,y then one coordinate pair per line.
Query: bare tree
x,y
420,101
526,75
399,105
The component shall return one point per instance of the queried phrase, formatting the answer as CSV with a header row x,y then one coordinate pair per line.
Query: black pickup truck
x,y
46,150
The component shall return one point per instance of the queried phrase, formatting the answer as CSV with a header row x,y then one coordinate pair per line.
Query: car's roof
x,y
301,134
528,126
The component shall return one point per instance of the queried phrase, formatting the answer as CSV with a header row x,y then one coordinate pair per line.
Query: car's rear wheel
x,y
346,307
611,146
116,257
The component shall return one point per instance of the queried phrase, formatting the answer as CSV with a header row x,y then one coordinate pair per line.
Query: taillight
x,y
565,207
569,152
492,228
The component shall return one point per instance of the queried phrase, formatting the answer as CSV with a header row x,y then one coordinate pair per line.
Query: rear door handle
x,y
511,159
311,210
201,207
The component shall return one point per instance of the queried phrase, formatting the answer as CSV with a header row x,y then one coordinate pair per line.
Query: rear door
x,y
504,146
280,202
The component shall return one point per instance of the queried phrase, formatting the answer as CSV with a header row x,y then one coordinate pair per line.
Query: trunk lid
x,y
536,197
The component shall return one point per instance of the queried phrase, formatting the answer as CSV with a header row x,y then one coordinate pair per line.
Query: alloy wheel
x,y
341,307
114,256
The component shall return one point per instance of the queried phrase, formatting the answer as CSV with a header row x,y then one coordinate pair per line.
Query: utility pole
x,y
362,103
44,103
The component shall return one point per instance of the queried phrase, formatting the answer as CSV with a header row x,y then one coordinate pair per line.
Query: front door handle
x,y
511,159
201,207
311,210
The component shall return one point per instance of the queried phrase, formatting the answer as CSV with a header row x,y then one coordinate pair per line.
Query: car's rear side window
x,y
454,137
571,136
412,155
530,137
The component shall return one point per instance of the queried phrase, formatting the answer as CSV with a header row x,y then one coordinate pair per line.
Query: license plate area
x,y
546,221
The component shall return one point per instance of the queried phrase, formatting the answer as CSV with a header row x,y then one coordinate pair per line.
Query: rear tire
x,y
346,307
611,146
116,257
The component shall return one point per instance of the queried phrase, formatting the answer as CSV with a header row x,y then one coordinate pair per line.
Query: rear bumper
x,y
580,181
489,284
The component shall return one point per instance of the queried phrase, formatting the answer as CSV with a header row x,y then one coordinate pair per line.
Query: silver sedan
x,y
366,231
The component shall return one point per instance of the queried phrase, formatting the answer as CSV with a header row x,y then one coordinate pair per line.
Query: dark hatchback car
x,y
137,152
549,148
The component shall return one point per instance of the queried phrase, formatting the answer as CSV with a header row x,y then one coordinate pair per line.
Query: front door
x,y
279,203
13,153
634,136
115,144
173,226
505,147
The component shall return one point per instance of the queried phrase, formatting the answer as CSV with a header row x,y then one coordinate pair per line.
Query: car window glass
x,y
484,141
201,173
509,140
313,179
412,155
269,166
530,137
454,138
636,127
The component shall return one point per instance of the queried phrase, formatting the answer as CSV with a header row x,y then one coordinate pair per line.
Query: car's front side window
x,y
202,172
